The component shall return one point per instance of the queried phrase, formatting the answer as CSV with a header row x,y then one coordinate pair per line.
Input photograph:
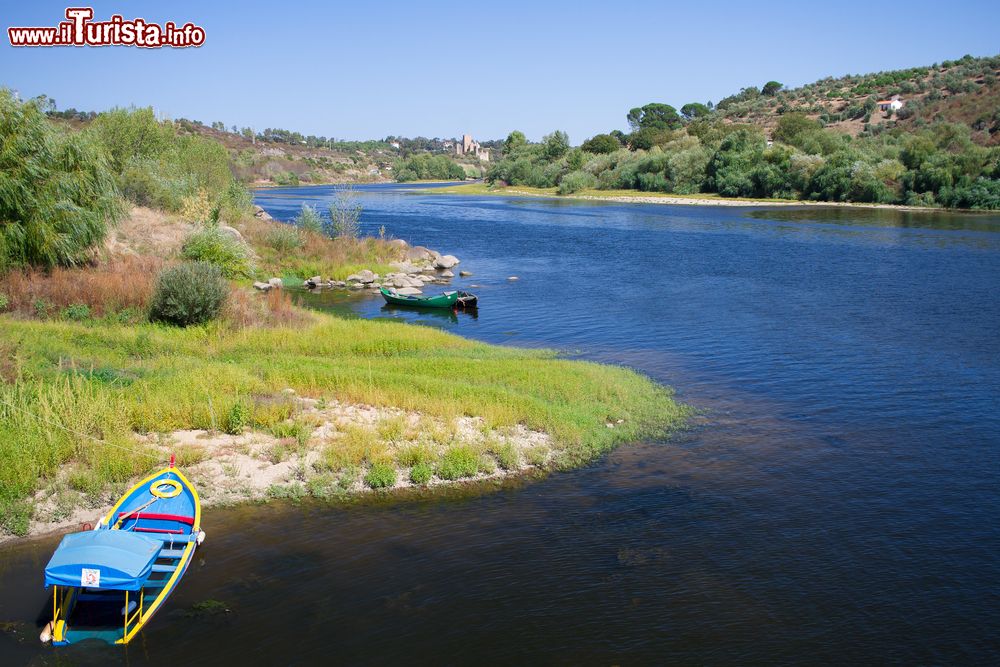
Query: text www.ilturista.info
x,y
80,30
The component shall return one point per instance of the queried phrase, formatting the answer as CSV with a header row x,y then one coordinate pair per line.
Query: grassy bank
x,y
75,394
637,197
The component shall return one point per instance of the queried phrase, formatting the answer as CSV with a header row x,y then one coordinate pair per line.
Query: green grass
x,y
458,462
196,376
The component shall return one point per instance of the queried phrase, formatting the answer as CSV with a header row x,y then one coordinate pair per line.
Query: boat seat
x,y
164,568
171,553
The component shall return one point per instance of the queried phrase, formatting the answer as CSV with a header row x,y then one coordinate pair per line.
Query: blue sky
x,y
370,69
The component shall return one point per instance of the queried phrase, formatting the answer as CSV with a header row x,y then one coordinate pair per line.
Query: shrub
x,y
77,312
345,215
421,473
283,238
458,462
214,246
576,181
4,302
507,456
238,418
380,476
57,195
309,219
189,293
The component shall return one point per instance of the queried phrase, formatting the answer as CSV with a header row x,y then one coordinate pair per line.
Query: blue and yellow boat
x,y
108,582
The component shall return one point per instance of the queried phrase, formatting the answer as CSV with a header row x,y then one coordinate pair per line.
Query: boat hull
x,y
446,300
163,506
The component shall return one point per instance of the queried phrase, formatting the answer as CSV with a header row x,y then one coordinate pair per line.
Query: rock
x,y
367,277
276,282
465,274
445,262
447,274
314,282
263,287
353,278
408,291
418,253
513,278
232,232
399,243
260,213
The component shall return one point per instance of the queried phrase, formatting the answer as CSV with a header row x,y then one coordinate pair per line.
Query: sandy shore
x,y
258,466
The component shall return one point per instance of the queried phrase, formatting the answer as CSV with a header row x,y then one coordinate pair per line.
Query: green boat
x,y
446,300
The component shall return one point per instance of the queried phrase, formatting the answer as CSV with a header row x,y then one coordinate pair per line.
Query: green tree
x,y
771,88
514,141
555,145
57,195
654,115
131,134
791,126
600,144
693,110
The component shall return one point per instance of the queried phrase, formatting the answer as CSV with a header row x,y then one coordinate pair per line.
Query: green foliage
x,y
576,181
693,110
238,418
217,247
189,293
421,473
555,145
601,144
57,195
458,462
425,166
284,238
131,135
77,312
4,302
792,126
345,214
309,219
514,142
655,116
771,88
380,476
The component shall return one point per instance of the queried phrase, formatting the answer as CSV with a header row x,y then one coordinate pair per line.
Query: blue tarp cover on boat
x,y
107,559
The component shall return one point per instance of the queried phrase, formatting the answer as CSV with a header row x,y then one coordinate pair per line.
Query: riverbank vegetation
x,y
706,149
143,326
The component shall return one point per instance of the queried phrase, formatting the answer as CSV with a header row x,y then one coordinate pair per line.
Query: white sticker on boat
x,y
90,578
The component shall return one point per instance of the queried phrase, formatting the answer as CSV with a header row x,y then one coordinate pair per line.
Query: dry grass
x,y
245,309
108,288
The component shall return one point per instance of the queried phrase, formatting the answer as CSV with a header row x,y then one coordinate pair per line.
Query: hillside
x,y
964,91
283,157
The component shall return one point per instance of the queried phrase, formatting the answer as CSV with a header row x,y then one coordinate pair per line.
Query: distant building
x,y
395,144
891,104
470,146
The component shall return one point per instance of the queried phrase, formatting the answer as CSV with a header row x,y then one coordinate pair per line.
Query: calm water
x,y
837,500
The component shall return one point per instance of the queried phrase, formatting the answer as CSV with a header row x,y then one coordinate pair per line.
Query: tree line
x,y
696,149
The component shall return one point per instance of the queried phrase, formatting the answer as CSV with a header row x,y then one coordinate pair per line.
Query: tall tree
x,y
655,116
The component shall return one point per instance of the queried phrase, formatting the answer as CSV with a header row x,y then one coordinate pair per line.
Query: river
x,y
836,500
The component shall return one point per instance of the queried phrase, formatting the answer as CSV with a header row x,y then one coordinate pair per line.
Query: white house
x,y
891,104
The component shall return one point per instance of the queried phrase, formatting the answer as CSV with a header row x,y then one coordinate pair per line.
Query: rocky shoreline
x,y
421,267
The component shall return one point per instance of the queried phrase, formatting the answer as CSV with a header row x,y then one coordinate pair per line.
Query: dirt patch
x,y
148,232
